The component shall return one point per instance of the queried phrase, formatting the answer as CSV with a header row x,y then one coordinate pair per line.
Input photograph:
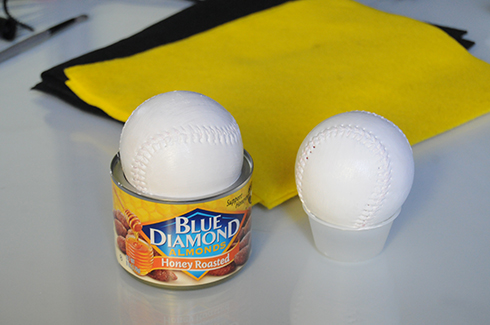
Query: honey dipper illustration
x,y
139,252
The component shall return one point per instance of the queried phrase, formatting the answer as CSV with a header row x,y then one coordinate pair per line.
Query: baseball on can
x,y
181,145
354,171
182,193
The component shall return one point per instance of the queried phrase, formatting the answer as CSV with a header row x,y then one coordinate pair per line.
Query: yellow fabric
x,y
282,71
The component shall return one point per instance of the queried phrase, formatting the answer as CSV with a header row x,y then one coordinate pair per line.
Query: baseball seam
x,y
216,135
370,141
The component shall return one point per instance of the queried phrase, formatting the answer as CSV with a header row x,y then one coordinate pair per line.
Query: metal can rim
x,y
120,180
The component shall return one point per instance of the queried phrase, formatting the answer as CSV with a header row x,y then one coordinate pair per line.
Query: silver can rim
x,y
120,180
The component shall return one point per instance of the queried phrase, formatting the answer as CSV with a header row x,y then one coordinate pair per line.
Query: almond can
x,y
182,244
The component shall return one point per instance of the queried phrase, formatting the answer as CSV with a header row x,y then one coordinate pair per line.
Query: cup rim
x,y
331,225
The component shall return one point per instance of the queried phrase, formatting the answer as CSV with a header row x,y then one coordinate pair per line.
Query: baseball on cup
x,y
353,173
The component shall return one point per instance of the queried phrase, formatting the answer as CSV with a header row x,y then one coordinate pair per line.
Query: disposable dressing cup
x,y
349,244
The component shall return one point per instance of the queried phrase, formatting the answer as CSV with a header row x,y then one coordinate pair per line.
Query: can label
x,y
182,244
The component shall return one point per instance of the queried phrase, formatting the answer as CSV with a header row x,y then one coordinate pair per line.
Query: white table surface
x,y
56,240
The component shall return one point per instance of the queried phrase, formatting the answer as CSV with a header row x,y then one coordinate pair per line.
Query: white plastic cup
x,y
348,244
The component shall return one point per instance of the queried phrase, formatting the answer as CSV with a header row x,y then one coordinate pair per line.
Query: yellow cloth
x,y
282,71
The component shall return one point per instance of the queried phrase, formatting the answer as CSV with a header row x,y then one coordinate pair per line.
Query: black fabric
x,y
457,34
199,17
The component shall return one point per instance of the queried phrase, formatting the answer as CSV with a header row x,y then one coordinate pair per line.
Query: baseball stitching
x,y
224,135
370,141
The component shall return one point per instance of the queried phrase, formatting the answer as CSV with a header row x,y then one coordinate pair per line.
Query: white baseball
x,y
181,145
354,170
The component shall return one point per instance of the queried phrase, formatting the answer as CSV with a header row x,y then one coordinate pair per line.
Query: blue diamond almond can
x,y
182,244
